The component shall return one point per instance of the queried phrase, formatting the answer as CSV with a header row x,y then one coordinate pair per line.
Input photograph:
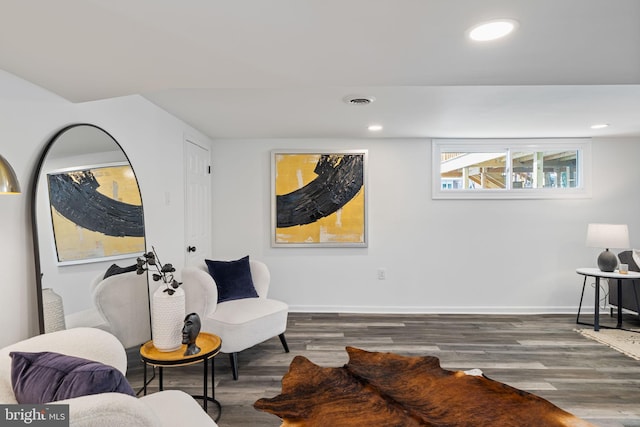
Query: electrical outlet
x,y
382,274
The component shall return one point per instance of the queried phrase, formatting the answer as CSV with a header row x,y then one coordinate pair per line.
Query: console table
x,y
598,274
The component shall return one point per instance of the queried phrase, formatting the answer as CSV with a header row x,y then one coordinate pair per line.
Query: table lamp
x,y
608,236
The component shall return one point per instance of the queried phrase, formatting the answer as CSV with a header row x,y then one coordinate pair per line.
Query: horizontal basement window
x,y
511,168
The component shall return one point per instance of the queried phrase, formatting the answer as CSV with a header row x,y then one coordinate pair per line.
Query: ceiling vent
x,y
358,100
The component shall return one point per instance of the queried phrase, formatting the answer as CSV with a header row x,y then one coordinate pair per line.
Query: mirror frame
x,y
33,211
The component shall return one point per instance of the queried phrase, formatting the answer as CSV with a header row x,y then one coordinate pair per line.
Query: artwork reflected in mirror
x,y
87,216
96,213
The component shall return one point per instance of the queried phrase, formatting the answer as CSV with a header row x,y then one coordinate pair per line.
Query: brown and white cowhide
x,y
385,389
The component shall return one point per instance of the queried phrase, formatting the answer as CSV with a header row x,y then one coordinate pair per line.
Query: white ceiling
x,y
281,68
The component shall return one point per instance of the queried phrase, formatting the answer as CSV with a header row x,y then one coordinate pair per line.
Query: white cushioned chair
x,y
167,408
123,301
120,306
240,323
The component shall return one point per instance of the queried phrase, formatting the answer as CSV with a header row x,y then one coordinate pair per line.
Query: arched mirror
x,y
87,216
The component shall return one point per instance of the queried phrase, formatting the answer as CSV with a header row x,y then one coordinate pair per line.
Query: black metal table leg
x,y
213,381
635,293
584,283
205,395
209,345
619,324
206,386
213,389
596,312
597,275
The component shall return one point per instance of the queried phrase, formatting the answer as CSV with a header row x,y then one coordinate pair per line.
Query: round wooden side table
x,y
209,347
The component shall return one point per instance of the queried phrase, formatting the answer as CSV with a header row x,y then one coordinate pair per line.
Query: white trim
x,y
586,310
192,139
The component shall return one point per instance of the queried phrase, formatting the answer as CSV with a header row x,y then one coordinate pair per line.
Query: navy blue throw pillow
x,y
39,378
233,279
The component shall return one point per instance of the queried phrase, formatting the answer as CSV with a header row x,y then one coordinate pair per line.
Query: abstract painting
x,y
96,213
318,198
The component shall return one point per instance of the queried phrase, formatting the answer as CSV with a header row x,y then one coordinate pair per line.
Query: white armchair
x,y
120,306
241,323
122,302
167,408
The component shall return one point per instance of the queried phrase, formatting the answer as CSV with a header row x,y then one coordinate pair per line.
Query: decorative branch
x,y
164,272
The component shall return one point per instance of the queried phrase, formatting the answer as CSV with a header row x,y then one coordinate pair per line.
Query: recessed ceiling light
x,y
492,30
600,126
375,128
358,99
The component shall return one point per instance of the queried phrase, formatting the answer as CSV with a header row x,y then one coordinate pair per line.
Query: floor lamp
x,y
8,180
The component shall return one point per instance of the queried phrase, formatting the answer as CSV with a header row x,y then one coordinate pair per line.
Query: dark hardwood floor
x,y
541,354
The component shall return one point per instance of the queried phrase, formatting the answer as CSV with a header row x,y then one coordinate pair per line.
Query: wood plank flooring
x,y
541,354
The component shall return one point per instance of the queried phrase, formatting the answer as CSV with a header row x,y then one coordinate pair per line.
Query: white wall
x,y
28,117
440,255
153,140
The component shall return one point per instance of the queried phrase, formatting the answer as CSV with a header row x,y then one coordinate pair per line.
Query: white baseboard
x,y
437,310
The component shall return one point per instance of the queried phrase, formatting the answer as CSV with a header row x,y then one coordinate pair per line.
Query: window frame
x,y
583,167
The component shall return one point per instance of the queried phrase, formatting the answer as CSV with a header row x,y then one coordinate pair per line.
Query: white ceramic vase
x,y
167,319
53,311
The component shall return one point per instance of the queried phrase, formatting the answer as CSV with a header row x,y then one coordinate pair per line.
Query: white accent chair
x,y
241,323
167,408
120,306
123,302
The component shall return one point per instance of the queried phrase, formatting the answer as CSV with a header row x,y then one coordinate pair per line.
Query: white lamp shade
x,y
608,236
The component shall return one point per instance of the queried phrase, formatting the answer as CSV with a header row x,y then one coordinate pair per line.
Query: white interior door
x,y
197,203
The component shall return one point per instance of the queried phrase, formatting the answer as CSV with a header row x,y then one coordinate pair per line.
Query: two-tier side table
x,y
209,347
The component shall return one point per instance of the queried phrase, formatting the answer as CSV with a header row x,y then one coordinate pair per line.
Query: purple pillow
x,y
233,279
39,378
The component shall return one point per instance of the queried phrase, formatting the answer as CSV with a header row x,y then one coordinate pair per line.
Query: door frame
x,y
190,139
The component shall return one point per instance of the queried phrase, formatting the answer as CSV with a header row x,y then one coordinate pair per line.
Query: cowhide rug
x,y
385,389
